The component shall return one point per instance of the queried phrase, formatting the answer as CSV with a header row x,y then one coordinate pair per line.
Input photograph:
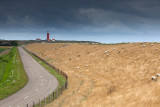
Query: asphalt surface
x,y
40,84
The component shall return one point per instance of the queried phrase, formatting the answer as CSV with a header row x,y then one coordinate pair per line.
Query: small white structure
x,y
151,44
157,49
154,78
144,45
86,65
158,74
57,53
77,67
114,48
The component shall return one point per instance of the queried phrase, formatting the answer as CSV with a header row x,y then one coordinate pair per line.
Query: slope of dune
x,y
120,77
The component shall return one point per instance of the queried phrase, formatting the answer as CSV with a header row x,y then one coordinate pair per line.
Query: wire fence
x,y
56,93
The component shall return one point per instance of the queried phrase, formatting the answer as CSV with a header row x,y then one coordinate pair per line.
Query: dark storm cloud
x,y
93,15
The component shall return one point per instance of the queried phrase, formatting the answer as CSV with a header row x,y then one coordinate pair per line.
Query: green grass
x,y
13,77
4,59
2,49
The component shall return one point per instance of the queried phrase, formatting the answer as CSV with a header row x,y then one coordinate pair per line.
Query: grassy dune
x,y
13,76
101,76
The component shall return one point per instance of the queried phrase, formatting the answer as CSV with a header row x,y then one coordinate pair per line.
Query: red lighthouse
x,y
47,36
48,39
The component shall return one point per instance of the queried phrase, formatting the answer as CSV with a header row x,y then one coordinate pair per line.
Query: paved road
x,y
40,84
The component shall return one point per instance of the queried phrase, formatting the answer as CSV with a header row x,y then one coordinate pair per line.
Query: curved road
x,y
40,84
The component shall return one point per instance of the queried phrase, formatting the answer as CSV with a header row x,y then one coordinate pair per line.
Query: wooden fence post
x,y
58,92
53,95
66,85
33,103
49,98
44,101
39,102
61,90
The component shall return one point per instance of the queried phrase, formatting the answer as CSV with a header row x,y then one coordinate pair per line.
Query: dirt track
x,y
118,78
5,52
40,84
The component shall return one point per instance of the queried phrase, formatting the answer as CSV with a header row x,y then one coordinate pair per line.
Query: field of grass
x,y
13,76
2,49
117,75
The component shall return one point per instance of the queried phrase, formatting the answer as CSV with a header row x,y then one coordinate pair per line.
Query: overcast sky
x,y
105,21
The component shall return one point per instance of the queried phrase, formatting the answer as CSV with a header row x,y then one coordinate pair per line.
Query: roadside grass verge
x,y
13,77
4,59
2,49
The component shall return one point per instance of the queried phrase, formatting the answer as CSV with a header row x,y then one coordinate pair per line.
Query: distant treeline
x,y
8,43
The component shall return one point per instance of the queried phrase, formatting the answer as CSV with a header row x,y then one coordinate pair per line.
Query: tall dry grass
x,y
120,78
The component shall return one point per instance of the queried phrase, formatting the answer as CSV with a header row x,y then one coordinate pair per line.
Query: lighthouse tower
x,y
48,36
48,39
